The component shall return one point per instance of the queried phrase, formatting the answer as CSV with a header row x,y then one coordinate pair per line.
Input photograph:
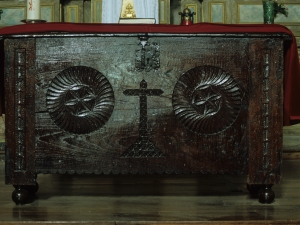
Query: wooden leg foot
x,y
19,195
31,189
266,195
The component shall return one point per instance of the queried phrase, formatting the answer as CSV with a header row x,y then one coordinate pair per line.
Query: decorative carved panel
x,y
147,58
206,100
80,100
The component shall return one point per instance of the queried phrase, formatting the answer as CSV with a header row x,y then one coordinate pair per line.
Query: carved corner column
x,y
265,112
20,111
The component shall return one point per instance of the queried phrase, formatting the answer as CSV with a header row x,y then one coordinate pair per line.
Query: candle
x,y
33,10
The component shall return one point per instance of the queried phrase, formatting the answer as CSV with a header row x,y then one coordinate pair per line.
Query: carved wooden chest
x,y
144,103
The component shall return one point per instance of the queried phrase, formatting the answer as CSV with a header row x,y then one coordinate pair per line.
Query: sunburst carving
x,y
206,100
80,100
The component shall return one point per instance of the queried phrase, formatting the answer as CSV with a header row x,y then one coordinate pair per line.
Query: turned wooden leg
x,y
22,192
31,189
266,194
19,195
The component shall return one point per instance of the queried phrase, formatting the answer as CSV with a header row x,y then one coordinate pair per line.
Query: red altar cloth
x,y
291,108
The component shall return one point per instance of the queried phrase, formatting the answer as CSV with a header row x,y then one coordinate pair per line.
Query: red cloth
x,y
292,69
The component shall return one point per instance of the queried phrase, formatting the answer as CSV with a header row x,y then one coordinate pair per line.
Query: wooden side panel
x,y
20,121
265,111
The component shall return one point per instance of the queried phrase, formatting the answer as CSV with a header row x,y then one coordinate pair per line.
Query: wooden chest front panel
x,y
156,104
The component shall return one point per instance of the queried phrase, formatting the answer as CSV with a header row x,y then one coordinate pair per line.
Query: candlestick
x,y
33,10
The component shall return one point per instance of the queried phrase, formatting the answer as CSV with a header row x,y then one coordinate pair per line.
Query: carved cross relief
x,y
143,147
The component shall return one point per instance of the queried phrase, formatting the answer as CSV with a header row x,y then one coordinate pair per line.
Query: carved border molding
x,y
20,115
266,109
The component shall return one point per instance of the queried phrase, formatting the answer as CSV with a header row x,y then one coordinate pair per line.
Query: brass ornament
x,y
128,9
187,15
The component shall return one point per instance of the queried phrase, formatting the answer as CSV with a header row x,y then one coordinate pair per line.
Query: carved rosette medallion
x,y
206,100
80,100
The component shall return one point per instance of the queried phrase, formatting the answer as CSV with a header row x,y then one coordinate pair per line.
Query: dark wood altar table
x,y
144,99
